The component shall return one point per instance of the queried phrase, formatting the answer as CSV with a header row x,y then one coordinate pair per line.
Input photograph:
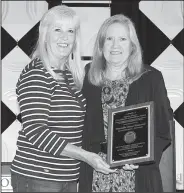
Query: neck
x,y
115,72
58,63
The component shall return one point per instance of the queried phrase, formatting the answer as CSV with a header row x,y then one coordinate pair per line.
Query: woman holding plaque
x,y
117,77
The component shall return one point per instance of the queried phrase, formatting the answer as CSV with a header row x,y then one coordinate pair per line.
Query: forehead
x,y
64,22
117,29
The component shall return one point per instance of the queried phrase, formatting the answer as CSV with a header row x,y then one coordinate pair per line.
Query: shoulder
x,y
152,72
149,74
34,68
34,73
150,77
36,65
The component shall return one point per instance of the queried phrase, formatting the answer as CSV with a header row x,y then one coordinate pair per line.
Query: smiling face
x,y
60,38
117,45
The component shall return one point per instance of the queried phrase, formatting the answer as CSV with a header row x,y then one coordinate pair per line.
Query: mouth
x,y
115,52
63,45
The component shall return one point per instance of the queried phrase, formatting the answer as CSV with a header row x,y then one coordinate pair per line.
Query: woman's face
x,y
61,38
117,44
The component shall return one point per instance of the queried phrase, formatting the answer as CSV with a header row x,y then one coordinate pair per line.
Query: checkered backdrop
x,y
159,25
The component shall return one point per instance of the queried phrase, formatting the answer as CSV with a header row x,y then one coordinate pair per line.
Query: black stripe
x,y
88,4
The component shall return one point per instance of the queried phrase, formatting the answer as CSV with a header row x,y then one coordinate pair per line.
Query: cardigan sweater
x,y
149,86
52,116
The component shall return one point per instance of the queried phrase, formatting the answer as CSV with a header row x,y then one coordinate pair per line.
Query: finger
x,y
107,170
113,170
134,166
127,167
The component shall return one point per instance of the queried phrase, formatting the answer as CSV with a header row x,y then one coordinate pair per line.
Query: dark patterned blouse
x,y
114,94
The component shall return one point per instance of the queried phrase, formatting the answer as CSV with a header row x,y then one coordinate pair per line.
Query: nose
x,y
115,43
64,35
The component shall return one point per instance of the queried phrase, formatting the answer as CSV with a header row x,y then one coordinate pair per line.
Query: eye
x,y
109,38
57,29
122,39
71,31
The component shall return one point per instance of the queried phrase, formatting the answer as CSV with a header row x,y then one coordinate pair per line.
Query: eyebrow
x,y
57,26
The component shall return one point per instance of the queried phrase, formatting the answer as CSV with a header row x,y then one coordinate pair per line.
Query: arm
x,y
34,96
163,113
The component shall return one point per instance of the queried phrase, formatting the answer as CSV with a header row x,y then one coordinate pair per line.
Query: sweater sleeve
x,y
34,96
163,113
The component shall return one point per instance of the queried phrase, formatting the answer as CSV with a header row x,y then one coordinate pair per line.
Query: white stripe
x,y
65,121
73,143
34,128
36,155
46,172
58,148
32,120
71,111
54,145
60,126
59,169
68,131
32,103
49,142
62,105
44,139
33,87
59,164
59,116
37,92
63,91
32,137
33,70
40,136
25,142
31,109
40,98
61,95
64,100
38,150
36,114
33,80
59,180
72,137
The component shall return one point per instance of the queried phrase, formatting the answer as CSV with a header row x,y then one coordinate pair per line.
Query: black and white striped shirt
x,y
51,117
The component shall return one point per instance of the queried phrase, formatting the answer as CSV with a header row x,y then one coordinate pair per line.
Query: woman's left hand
x,y
130,167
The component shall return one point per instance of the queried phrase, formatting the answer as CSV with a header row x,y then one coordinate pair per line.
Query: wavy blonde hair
x,y
98,65
74,63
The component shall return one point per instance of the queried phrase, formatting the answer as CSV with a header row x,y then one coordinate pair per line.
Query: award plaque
x,y
131,135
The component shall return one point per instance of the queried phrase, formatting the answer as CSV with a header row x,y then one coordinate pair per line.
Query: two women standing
x,y
62,111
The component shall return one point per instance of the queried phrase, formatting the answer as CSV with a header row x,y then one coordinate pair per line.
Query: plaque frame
x,y
150,157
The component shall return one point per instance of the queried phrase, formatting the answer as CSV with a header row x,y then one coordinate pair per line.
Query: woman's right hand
x,y
95,161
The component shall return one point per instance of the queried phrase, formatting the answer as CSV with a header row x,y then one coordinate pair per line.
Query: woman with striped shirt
x,y
53,110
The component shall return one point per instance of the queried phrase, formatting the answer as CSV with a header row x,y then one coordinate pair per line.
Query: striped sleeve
x,y
34,96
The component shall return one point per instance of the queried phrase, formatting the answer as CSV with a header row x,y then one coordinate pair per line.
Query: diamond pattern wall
x,y
160,29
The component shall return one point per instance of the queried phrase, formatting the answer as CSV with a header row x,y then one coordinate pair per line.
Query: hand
x,y
95,161
130,167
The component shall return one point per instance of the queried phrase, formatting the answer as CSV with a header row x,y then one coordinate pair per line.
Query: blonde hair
x,y
75,66
98,65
